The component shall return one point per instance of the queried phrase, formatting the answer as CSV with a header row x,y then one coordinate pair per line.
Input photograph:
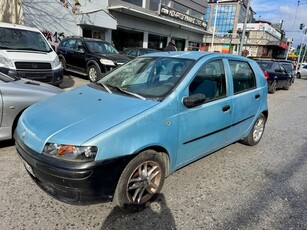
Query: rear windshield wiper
x,y
130,93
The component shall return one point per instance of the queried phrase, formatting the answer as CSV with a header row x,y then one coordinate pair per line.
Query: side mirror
x,y
194,100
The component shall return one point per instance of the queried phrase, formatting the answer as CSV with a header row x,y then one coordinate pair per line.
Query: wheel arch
x,y
14,124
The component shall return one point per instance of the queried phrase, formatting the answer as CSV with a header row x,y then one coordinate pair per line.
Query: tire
x,y
134,191
273,87
256,133
298,75
93,73
287,85
63,63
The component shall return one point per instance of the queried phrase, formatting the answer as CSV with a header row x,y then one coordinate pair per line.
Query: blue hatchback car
x,y
118,138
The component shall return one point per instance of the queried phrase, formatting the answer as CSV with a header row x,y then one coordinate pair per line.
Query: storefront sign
x,y
165,10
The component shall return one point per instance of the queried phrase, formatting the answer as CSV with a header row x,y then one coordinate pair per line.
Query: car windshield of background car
x,y
151,78
101,47
16,39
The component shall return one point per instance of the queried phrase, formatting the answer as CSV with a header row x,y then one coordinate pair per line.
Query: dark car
x,y
134,52
289,67
88,56
276,75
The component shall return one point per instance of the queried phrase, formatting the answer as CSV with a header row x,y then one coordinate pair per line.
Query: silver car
x,y
16,94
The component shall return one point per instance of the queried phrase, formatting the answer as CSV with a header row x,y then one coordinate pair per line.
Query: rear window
x,y
265,65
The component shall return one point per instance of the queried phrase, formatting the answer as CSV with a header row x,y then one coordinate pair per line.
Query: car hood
x,y
33,56
77,116
36,86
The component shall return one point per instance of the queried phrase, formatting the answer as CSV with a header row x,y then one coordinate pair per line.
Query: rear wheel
x,y
298,75
257,131
287,85
273,87
141,181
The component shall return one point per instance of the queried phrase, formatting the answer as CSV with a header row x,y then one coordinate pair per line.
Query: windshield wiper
x,y
130,93
106,87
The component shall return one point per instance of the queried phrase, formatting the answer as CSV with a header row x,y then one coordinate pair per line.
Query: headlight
x,y
56,62
5,62
107,62
71,152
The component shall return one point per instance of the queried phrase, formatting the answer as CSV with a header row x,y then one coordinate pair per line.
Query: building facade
x,y
127,23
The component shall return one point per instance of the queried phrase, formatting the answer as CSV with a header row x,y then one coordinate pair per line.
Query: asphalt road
x,y
238,187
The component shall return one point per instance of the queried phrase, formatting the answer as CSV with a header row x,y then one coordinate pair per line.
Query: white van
x,y
25,52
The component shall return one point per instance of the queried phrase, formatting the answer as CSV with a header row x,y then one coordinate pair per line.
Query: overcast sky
x,y
277,10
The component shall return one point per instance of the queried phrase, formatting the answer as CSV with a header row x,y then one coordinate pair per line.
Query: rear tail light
x,y
266,74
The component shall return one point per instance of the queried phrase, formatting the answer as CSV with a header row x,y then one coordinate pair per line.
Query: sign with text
x,y
165,10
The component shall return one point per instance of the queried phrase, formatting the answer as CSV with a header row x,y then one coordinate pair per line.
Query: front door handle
x,y
257,96
226,108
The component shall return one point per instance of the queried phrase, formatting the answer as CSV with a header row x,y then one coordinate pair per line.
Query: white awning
x,y
97,18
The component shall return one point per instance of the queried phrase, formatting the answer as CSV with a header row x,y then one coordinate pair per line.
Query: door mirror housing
x,y
194,100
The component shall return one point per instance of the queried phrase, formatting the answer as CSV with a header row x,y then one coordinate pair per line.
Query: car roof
x,y
15,26
193,55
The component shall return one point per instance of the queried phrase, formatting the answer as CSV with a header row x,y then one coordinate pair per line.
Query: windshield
x,y
17,39
148,77
101,47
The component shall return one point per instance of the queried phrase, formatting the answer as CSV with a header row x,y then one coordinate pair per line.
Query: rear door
x,y
247,97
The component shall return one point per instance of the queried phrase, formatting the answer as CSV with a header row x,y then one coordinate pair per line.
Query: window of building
x,y
126,38
207,15
154,4
243,76
210,81
225,18
156,41
134,2
180,7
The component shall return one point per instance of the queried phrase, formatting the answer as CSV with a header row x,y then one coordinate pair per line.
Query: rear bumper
x,y
73,182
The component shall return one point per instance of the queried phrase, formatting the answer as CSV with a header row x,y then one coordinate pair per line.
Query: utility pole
x,y
244,28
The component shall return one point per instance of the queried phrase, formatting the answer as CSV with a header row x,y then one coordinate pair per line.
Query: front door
x,y
207,127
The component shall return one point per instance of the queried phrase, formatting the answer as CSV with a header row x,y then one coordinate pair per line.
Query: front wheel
x,y
298,75
257,131
141,181
93,73
287,85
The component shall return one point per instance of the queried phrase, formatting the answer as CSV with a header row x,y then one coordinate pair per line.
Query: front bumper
x,y
54,77
73,182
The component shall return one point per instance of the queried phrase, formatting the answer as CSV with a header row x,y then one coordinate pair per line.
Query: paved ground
x,y
238,187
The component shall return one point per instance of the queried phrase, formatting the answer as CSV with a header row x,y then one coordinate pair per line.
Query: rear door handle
x,y
257,96
226,108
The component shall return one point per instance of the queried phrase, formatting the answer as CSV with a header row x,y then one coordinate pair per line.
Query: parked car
x,y
290,68
25,52
302,70
276,75
16,94
134,52
119,138
88,56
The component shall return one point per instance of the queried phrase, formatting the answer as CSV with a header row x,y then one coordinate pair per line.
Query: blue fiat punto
x,y
118,138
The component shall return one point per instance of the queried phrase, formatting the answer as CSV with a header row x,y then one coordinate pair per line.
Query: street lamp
x,y
215,16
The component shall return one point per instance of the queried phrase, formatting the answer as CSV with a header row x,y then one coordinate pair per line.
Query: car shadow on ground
x,y
7,143
156,216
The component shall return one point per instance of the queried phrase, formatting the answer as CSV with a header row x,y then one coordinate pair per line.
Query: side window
x,y
282,69
142,52
243,76
70,43
210,81
79,45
